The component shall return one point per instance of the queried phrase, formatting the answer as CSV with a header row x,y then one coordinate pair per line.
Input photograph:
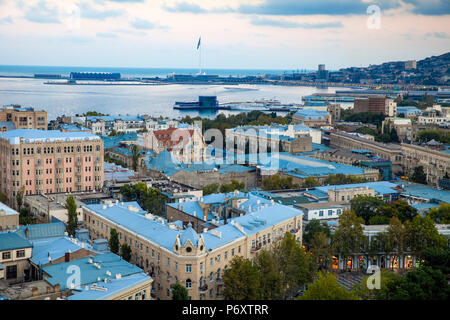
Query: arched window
x,y
211,277
188,284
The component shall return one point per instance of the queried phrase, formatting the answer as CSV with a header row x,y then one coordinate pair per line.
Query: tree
x,y
396,236
114,241
310,182
312,228
125,252
3,198
440,214
321,250
423,284
269,275
210,188
241,280
365,293
19,197
326,287
296,266
437,259
24,216
366,206
72,217
421,233
349,237
393,135
135,157
179,292
419,175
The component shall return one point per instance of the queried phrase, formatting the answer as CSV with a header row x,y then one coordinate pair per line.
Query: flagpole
x,y
200,59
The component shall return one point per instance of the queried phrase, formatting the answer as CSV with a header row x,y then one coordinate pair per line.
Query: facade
x,y
186,145
321,210
391,152
376,104
9,218
436,163
403,127
344,195
51,161
23,118
197,261
14,254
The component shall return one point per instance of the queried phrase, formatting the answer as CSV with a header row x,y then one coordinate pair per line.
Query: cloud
x,y
439,35
186,7
127,1
430,7
289,24
106,35
89,12
6,20
143,24
41,13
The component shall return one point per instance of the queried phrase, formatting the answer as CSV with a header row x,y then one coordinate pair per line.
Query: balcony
x,y
219,281
294,231
256,248
203,288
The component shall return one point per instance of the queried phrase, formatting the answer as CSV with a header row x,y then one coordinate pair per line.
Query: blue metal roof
x,y
113,287
89,273
423,191
312,114
11,241
380,187
45,230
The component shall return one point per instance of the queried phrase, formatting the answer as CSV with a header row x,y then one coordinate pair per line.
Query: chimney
x,y
27,233
67,257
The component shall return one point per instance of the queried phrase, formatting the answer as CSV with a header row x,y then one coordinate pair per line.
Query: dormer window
x,y
188,249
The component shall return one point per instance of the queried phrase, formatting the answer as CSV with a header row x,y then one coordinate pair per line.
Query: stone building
x,y
23,118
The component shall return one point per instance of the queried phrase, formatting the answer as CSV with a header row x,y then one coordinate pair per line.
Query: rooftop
x,y
422,191
11,241
7,210
33,135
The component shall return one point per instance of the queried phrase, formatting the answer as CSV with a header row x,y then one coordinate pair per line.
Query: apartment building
x,y
388,151
436,163
42,162
196,260
186,145
23,118
376,104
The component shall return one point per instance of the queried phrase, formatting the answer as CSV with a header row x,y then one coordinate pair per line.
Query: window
x,y
321,213
239,249
211,277
168,262
232,252
226,254
11,272
211,262
189,268
201,266
339,211
20,253
330,212
159,256
6,255
176,266
188,284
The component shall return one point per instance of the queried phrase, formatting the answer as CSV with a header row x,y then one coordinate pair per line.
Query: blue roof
x,y
165,237
319,194
8,124
33,135
129,151
89,273
113,287
189,234
302,167
8,210
114,141
45,230
73,127
114,118
54,248
424,192
11,241
312,114
380,187
408,110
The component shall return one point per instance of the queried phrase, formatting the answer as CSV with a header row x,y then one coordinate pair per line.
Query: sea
x,y
155,101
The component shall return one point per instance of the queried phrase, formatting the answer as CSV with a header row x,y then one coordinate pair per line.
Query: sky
x,y
235,34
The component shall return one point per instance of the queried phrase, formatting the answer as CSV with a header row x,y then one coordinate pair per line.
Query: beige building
x,y
402,126
389,151
9,218
435,162
195,260
24,118
37,161
14,254
344,195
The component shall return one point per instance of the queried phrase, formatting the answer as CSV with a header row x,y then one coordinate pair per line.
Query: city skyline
x,y
278,34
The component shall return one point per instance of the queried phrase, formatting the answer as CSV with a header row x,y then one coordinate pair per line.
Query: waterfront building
x,y
17,117
43,162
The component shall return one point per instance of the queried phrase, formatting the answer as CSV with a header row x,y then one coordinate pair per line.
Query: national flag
x,y
198,44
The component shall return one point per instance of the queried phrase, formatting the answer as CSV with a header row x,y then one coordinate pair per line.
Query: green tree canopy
x,y
349,236
179,292
421,233
366,206
72,217
440,214
114,244
326,287
419,175
125,252
241,280
312,228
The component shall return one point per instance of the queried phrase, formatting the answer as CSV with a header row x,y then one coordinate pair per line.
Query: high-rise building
x,y
42,162
17,117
